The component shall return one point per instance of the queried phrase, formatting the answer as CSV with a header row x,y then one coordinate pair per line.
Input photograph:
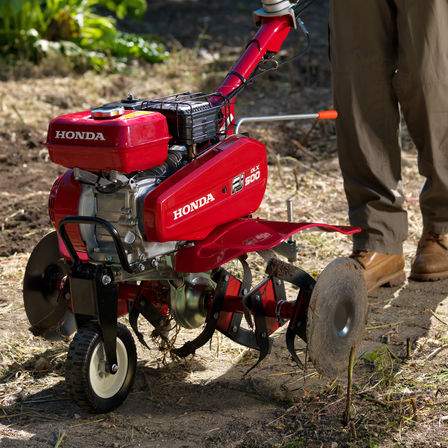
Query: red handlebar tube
x,y
270,37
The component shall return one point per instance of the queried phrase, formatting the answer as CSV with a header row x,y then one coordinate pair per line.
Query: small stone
x,y
42,365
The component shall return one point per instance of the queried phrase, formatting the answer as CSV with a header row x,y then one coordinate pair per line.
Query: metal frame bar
x,y
274,118
97,221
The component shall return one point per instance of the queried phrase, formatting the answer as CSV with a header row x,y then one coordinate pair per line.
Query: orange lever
x,y
328,114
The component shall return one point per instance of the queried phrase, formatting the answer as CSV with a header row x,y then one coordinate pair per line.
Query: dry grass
x,y
397,399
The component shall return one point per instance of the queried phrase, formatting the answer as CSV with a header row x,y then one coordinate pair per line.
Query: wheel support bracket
x,y
93,297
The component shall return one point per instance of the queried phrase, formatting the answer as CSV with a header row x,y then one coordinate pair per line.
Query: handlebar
x,y
300,6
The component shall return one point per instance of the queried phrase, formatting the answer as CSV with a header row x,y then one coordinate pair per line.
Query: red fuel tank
x,y
225,183
133,141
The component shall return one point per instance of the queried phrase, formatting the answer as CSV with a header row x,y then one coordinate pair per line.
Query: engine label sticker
x,y
253,175
238,183
135,114
77,135
193,206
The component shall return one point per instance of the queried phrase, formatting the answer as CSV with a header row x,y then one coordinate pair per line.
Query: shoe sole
x,y
396,279
432,277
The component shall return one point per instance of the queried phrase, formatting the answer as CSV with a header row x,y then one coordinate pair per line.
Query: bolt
x,y
67,296
226,278
154,263
114,368
141,267
257,298
106,279
244,291
215,316
279,282
263,335
234,329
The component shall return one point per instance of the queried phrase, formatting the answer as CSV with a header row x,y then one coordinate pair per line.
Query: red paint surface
x,y
212,173
269,38
130,144
241,236
63,201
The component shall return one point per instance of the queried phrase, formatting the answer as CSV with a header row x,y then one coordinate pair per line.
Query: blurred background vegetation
x,y
81,33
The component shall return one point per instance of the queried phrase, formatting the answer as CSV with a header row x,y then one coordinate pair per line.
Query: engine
x,y
159,172
118,199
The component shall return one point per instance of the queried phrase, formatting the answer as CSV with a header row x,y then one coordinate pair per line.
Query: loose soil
x,y
400,377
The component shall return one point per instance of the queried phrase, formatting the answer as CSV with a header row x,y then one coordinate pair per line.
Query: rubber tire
x,y
77,375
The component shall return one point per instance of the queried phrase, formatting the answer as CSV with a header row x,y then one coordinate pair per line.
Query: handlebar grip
x,y
327,114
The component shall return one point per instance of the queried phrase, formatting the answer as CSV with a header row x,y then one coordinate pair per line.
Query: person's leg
x,y
363,58
421,84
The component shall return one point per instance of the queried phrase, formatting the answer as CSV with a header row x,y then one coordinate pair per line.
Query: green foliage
x,y
382,360
32,29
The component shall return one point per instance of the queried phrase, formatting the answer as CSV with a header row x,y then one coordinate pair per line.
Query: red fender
x,y
241,236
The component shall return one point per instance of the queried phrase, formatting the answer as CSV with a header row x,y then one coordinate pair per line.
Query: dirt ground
x,y
401,374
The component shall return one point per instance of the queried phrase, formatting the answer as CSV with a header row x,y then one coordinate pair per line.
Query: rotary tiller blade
x,y
44,271
336,316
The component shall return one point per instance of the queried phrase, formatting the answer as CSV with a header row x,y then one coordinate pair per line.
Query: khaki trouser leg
x,y
370,39
422,88
363,37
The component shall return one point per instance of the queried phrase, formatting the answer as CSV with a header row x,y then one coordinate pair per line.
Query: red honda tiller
x,y
158,196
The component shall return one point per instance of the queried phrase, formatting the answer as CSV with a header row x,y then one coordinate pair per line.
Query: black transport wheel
x,y
337,316
88,382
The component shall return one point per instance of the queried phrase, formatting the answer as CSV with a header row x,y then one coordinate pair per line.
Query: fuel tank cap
x,y
107,112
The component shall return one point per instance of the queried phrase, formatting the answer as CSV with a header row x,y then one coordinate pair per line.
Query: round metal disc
x,y
44,269
336,316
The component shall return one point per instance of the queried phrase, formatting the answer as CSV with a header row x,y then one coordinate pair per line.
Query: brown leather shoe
x,y
381,269
431,260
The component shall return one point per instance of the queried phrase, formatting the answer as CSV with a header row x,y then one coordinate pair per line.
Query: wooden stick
x,y
353,430
408,348
301,148
305,139
349,384
415,416
296,178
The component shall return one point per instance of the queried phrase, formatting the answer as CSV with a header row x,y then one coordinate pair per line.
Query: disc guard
x,y
43,272
336,316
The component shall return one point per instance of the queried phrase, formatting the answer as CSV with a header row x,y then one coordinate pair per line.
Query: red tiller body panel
x,y
241,236
225,183
64,201
134,141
